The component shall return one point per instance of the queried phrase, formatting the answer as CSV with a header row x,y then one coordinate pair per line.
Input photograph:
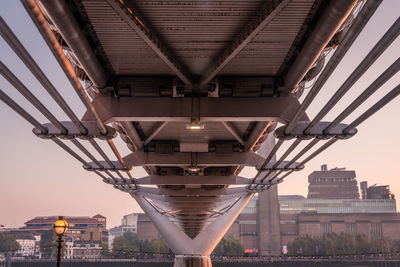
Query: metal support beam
x,y
280,109
387,39
200,199
31,64
358,24
192,180
331,20
155,132
140,158
17,108
229,127
151,40
76,40
244,38
41,23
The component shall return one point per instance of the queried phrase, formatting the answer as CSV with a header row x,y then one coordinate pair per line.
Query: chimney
x,y
324,167
364,189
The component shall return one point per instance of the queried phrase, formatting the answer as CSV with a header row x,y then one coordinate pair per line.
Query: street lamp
x,y
60,227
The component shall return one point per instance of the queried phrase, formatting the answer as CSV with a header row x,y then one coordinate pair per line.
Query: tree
x,y
8,243
158,247
131,241
104,249
342,244
229,247
125,246
48,245
118,247
144,247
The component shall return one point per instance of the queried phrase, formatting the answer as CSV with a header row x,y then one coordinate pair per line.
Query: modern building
x,y
333,206
269,221
337,183
379,192
128,224
118,231
130,220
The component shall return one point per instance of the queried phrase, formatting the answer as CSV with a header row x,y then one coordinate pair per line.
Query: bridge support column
x,y
192,261
192,252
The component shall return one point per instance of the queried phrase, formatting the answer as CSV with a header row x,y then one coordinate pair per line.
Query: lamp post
x,y
60,227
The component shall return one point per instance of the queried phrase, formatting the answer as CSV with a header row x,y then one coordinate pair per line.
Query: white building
x,y
130,220
86,250
128,224
69,248
118,231
27,245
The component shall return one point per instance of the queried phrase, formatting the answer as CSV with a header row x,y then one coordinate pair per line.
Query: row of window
x,y
332,179
351,228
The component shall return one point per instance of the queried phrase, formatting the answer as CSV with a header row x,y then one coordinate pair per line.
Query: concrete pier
x,y
192,261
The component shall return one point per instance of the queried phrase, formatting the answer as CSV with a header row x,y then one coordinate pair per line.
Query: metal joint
x,y
105,166
317,132
73,132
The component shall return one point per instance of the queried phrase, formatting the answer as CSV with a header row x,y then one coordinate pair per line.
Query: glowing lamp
x,y
60,226
195,125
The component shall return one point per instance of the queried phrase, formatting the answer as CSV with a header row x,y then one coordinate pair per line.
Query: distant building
x,y
375,191
337,183
80,228
119,231
69,248
333,206
80,249
128,224
146,229
379,192
130,220
86,249
372,225
29,243
364,189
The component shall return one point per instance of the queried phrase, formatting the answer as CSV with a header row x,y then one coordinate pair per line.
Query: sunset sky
x,y
38,178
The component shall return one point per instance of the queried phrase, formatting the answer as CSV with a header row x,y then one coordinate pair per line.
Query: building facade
x,y
379,192
337,183
80,249
28,242
86,249
28,246
118,231
80,228
334,206
130,220
268,222
372,225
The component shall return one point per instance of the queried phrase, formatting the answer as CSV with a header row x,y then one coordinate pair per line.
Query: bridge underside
x,y
194,89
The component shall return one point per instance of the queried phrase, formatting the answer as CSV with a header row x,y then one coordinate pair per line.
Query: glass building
x,y
294,204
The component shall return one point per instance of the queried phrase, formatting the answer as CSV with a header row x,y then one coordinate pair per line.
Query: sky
x,y
37,178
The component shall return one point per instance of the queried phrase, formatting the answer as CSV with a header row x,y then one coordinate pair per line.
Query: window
x,y
376,230
351,228
326,228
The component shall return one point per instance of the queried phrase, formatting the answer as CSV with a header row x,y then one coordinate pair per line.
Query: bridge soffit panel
x,y
281,109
